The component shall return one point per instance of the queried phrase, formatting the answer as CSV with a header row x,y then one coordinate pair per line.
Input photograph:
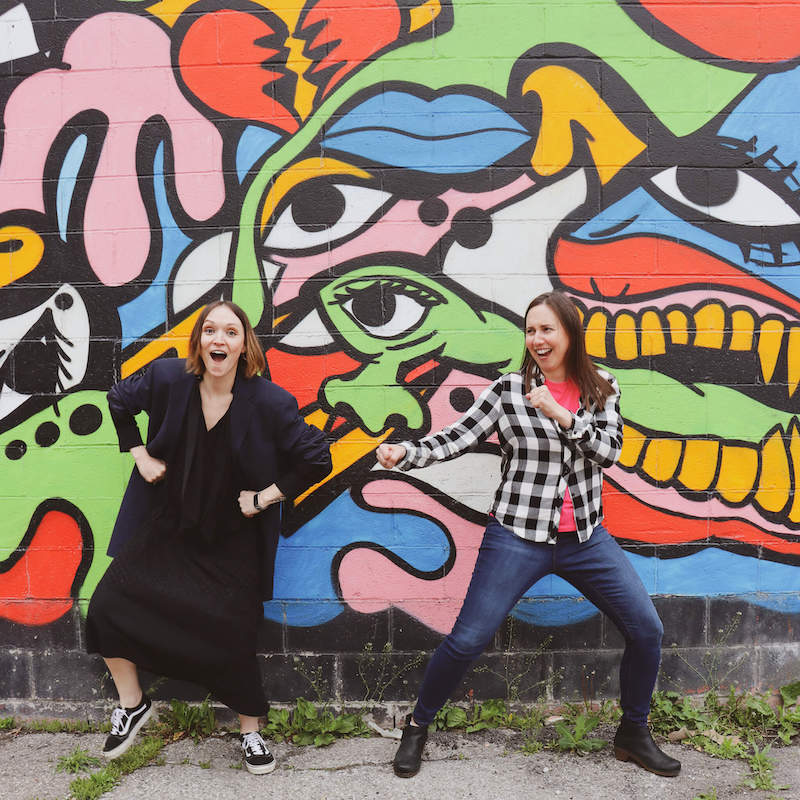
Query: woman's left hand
x,y
266,497
246,504
541,398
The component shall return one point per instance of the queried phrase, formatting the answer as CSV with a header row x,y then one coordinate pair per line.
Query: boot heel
x,y
621,755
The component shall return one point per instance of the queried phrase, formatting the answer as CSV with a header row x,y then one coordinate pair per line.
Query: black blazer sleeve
x,y
304,449
125,400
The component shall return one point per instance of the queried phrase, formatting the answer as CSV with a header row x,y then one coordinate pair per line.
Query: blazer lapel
x,y
241,408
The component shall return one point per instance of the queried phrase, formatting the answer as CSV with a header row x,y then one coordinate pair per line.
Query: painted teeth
x,y
761,474
711,326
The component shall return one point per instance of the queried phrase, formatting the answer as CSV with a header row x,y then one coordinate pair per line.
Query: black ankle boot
x,y
633,742
409,754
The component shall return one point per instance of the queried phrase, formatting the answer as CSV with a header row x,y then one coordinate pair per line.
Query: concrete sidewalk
x,y
483,766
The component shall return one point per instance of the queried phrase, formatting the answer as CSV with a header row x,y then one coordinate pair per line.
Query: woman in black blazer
x,y
195,539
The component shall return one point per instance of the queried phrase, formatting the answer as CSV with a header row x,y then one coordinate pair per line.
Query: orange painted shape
x,y
645,264
36,590
755,31
302,375
632,519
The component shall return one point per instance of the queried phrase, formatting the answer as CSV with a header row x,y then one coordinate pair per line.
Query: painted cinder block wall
x,y
384,186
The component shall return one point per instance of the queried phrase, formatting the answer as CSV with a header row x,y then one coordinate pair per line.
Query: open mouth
x,y
218,355
722,435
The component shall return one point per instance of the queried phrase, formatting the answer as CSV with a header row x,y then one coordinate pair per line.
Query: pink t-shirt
x,y
568,395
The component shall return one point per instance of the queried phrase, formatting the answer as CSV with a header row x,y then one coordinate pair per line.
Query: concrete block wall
x,y
383,186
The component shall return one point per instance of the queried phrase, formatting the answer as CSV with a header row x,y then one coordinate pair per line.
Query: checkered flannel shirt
x,y
539,458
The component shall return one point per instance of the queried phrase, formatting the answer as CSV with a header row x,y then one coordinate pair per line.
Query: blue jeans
x,y
506,567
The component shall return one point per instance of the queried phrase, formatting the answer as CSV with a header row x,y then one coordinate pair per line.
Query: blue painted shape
x,y
449,134
710,572
762,114
305,594
304,561
149,309
252,145
468,153
67,177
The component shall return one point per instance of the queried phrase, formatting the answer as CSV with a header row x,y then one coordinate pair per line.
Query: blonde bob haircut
x,y
252,357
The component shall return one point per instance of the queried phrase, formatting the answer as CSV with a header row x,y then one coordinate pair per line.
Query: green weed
x,y
575,739
711,794
379,671
104,780
306,725
7,723
761,767
182,719
78,760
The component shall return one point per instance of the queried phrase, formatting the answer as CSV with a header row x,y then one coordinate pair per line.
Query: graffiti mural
x,y
383,187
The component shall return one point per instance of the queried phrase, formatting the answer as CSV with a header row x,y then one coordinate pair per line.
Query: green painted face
x,y
395,319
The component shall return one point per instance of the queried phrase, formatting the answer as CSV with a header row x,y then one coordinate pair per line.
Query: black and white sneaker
x,y
257,757
125,724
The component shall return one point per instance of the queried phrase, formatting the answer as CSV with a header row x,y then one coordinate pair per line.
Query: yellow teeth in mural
x,y
736,473
709,325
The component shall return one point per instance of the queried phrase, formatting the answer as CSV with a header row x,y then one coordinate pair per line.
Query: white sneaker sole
x,y
260,770
122,747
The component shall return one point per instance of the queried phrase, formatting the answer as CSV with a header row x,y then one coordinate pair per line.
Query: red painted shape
x,y
629,518
642,265
228,59
302,375
36,589
350,34
755,31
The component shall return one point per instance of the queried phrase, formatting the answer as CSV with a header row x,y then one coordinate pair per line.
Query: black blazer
x,y
271,444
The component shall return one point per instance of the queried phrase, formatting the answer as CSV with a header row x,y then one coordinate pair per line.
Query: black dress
x,y
183,598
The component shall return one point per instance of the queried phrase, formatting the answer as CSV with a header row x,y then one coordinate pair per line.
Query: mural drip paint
x,y
383,187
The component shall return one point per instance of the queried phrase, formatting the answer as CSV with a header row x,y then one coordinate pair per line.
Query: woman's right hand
x,y
150,468
390,454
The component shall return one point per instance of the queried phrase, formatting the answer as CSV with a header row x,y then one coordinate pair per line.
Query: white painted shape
x,y
516,253
471,479
17,38
202,269
309,332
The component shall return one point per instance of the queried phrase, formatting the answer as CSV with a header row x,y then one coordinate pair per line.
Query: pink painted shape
x,y
121,66
670,500
370,582
399,230
441,409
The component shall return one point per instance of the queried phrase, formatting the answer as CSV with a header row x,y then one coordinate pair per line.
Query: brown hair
x,y
252,355
580,368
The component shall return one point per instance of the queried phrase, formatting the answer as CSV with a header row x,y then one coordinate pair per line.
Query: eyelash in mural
x,y
316,214
736,202
386,307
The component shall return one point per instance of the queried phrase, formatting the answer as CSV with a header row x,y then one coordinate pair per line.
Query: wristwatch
x,y
255,502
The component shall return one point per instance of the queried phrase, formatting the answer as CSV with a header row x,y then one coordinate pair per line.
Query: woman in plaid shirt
x,y
559,425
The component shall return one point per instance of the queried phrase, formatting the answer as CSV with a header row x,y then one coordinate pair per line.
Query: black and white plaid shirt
x,y
539,458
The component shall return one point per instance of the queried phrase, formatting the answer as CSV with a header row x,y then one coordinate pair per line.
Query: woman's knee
x,y
466,644
648,628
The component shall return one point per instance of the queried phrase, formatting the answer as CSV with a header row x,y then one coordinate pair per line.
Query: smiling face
x,y
221,343
547,341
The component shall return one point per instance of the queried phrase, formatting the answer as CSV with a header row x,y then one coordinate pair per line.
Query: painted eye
x,y
386,307
317,214
728,195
